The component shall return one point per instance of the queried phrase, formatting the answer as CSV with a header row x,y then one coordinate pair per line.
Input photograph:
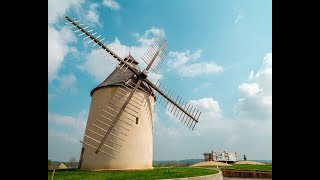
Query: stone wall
x,y
247,173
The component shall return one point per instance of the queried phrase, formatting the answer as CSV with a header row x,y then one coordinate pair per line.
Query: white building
x,y
222,156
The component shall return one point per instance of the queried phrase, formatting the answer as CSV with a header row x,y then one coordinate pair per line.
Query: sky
x,y
220,60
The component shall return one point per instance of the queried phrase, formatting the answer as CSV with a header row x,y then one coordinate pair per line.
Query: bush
x,y
49,164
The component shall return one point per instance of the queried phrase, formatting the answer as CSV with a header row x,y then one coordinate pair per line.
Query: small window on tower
x,y
137,121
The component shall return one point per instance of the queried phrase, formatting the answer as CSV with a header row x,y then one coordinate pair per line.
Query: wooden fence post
x,y
53,173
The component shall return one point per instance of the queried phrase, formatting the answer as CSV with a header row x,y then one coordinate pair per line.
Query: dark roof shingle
x,y
118,77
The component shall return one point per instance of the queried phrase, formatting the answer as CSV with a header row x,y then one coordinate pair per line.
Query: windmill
x,y
119,130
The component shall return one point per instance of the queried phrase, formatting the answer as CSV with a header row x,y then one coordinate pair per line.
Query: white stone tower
x,y
130,145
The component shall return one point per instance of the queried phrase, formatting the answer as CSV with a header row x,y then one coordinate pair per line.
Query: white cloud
x,y
60,39
207,105
63,130
177,60
120,49
98,66
68,82
249,132
257,107
249,89
57,8
173,136
73,122
213,132
112,4
101,65
169,132
75,52
210,112
197,69
149,36
58,48
92,14
256,104
154,77
62,135
181,58
264,76
181,62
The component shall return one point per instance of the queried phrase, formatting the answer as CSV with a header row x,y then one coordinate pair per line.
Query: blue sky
x,y
220,59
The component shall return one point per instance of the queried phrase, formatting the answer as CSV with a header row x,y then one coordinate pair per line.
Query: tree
x,y
49,163
72,162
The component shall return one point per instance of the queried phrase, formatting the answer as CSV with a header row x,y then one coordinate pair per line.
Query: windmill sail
x,y
187,113
155,54
82,31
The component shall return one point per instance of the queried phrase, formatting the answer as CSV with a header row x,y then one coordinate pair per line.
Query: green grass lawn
x,y
267,167
157,173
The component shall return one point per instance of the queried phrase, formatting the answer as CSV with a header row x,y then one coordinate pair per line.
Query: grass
x,y
266,167
157,173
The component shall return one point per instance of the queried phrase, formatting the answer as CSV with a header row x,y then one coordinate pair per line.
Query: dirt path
x,y
210,163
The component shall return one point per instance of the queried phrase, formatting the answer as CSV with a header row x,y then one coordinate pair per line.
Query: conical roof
x,y
118,77
130,57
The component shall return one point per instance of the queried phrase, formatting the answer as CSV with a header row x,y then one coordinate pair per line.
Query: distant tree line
x,y
49,163
72,163
172,164
178,163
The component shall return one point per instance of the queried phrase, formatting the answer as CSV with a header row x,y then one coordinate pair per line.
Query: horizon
x,y
220,60
189,159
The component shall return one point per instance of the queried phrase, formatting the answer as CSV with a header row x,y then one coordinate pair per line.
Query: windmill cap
x,y
130,57
118,78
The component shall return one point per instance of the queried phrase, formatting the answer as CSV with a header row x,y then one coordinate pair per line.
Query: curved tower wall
x,y
136,151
